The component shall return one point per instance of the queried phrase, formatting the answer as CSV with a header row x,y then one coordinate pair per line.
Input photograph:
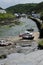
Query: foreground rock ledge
x,y
34,58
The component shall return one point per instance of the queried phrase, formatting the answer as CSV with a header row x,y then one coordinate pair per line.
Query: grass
x,y
17,22
6,16
42,26
40,44
5,26
8,19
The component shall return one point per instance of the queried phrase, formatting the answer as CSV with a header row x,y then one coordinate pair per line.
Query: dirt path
x,y
36,36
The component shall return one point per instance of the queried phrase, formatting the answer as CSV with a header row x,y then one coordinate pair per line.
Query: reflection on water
x,y
15,30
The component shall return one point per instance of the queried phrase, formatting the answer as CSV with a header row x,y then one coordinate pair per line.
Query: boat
x,y
4,43
30,37
26,32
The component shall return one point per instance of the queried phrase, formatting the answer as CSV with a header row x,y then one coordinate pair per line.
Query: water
x,y
16,30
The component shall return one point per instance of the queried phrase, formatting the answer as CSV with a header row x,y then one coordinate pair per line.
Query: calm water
x,y
16,30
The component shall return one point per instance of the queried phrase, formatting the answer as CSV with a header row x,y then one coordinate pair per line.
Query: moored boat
x,y
30,37
5,43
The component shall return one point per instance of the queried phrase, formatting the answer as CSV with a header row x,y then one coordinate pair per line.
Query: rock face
x,y
34,58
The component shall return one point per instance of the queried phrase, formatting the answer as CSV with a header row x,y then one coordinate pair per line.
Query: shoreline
x,y
39,25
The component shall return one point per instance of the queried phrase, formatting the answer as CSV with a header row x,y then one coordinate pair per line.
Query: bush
x,y
3,56
6,16
41,17
40,45
17,22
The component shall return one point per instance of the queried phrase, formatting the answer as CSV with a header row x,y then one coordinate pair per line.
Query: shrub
x,y
3,56
6,16
40,45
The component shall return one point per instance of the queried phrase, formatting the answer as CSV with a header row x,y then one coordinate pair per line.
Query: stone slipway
x,y
34,58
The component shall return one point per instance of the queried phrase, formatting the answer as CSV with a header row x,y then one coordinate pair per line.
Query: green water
x,y
6,31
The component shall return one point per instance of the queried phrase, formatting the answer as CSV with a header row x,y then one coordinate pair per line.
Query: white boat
x,y
4,43
28,36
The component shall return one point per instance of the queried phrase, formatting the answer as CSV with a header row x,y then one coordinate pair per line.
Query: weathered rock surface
x,y
34,58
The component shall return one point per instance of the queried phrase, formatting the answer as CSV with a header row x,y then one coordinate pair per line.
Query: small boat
x,y
4,43
30,37
26,33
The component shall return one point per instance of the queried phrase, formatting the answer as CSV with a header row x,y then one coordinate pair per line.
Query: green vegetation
x,y
27,8
6,16
8,19
40,44
41,26
39,7
3,56
21,8
41,16
0,8
17,22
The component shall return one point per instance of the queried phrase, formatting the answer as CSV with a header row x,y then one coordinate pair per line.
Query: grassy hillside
x,y
25,8
1,8
21,8
8,19
39,7
6,16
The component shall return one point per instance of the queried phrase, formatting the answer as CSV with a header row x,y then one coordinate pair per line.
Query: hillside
x,y
21,8
25,8
1,8
39,7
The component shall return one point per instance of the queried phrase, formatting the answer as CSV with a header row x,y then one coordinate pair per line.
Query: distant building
x,y
2,11
36,15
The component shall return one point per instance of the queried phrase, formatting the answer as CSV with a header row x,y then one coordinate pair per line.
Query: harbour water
x,y
17,29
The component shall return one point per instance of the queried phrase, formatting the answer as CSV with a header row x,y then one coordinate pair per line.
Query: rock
x,y
34,58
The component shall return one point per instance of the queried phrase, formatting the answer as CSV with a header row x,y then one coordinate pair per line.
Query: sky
x,y
7,3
